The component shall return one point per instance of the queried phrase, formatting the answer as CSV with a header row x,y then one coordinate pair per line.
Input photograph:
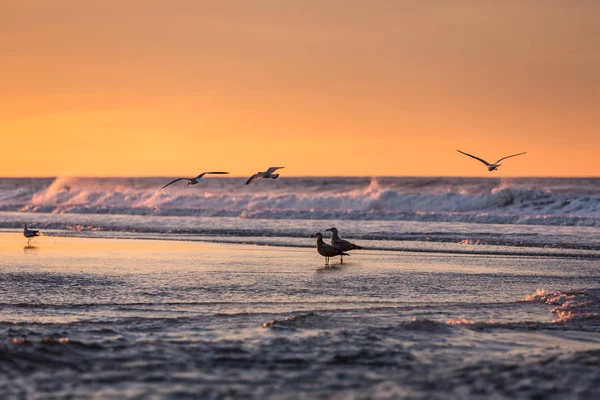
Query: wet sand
x,y
173,319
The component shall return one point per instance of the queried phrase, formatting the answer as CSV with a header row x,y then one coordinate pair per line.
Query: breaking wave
x,y
570,202
570,305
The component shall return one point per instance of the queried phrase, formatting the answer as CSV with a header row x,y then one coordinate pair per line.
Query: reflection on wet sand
x,y
28,248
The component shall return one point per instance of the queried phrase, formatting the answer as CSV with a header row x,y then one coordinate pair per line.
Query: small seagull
x,y
340,243
30,233
267,174
193,181
327,250
494,166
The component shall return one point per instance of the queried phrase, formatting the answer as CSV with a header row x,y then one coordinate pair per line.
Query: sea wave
x,y
497,202
570,305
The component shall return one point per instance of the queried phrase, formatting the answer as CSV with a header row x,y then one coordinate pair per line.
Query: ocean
x,y
492,211
466,288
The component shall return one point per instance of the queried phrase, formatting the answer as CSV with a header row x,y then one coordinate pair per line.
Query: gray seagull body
x,y
327,250
494,166
340,243
268,174
30,233
194,181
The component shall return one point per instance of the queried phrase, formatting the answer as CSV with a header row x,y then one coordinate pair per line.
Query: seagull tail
x,y
274,176
355,247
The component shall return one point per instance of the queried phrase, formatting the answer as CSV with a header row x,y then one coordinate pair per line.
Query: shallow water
x,y
138,318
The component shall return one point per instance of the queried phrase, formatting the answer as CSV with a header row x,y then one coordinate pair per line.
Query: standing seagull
x,y
491,167
30,233
340,243
326,250
267,174
193,181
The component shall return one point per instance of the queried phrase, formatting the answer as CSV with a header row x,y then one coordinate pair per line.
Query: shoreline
x,y
405,247
181,317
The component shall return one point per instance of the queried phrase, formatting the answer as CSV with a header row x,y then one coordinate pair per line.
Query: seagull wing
x,y
172,182
514,155
253,178
329,251
213,173
345,244
272,169
477,158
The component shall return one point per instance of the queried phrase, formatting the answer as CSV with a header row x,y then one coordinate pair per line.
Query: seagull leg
x,y
341,259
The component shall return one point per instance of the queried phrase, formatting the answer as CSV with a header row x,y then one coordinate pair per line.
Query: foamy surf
x,y
570,305
566,202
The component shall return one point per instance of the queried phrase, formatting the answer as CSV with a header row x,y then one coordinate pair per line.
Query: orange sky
x,y
126,88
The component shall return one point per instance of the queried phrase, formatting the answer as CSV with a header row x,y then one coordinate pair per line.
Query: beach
x,y
466,288
136,318
300,200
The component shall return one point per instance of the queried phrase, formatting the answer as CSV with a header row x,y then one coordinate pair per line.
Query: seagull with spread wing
x,y
267,174
193,181
494,166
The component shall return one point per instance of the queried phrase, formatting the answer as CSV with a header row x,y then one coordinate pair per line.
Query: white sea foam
x,y
551,202
570,305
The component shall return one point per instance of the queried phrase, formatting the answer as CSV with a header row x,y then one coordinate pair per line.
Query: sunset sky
x,y
164,88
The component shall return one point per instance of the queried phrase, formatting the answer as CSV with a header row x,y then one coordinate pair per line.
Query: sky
x,y
351,88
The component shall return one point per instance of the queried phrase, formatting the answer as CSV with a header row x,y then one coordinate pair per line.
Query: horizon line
x,y
303,176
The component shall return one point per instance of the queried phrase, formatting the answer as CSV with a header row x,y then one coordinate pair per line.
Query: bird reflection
x,y
29,248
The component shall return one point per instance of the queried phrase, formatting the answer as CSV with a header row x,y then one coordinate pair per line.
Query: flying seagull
x,y
327,250
340,243
193,181
30,233
494,166
267,174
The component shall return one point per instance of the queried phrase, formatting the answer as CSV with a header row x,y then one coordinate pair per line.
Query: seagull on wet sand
x,y
327,250
340,243
494,166
30,233
267,174
193,181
